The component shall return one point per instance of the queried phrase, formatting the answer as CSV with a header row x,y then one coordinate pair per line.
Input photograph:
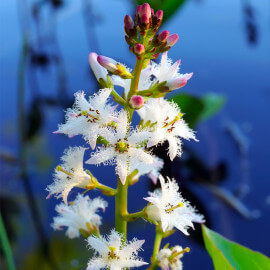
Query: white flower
x,y
166,71
89,118
70,174
113,253
81,214
122,147
169,258
169,207
152,170
169,124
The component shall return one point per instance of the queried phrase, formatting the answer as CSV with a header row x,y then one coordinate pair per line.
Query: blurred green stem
x,y
6,246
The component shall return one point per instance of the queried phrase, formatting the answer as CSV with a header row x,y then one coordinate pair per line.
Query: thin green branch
x,y
6,246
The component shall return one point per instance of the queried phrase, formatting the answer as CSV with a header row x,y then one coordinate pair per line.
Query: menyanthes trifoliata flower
x,y
169,258
167,124
70,174
166,71
113,253
122,147
170,208
89,118
79,216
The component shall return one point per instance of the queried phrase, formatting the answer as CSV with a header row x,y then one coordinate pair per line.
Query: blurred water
x,y
225,44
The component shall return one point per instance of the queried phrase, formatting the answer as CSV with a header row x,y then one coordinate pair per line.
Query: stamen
x,y
111,253
186,250
176,119
174,207
59,168
85,113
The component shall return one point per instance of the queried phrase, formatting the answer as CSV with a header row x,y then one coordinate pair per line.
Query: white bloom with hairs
x,y
123,146
168,125
70,174
89,118
170,208
80,215
113,253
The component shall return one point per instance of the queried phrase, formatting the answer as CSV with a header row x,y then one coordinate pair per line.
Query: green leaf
x,y
191,107
212,104
169,7
226,254
196,109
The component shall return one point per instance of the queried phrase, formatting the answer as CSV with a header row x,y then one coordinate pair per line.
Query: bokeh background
x,y
44,60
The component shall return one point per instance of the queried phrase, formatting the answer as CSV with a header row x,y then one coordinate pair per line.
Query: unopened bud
x,y
146,9
130,27
157,19
171,40
143,16
139,49
159,14
176,83
99,71
136,102
162,37
114,67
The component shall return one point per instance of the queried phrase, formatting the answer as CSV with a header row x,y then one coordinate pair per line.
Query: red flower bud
x,y
162,37
136,102
139,49
171,40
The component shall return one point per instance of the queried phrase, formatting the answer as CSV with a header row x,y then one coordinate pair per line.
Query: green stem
x,y
106,190
121,207
135,81
133,216
118,98
6,246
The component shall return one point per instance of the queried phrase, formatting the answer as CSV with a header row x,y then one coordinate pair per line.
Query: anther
x,y
174,207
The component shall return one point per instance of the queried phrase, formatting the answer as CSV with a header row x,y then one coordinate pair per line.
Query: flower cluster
x,y
114,140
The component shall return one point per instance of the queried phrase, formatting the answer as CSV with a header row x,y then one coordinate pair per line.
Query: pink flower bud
x,y
138,11
176,83
107,63
136,102
144,19
172,39
139,49
146,9
159,14
129,24
162,37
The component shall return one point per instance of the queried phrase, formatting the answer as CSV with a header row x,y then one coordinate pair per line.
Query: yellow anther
x,y
59,169
174,207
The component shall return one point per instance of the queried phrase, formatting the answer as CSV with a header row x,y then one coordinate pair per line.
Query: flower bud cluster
x,y
142,36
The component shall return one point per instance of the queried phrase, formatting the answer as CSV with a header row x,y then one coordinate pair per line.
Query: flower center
x,y
90,117
121,146
174,207
112,254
